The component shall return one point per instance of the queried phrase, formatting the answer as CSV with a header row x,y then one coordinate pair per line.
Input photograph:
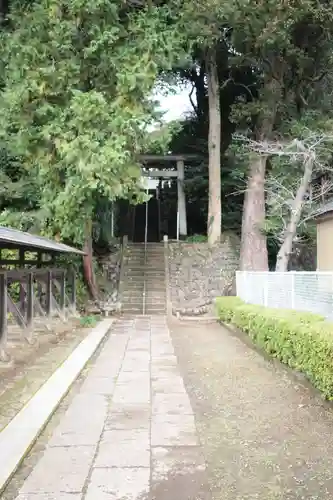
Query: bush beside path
x,y
301,340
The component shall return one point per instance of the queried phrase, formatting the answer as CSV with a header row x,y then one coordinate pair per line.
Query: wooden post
x,y
3,312
30,300
22,291
21,257
39,285
62,283
181,199
39,259
72,284
49,293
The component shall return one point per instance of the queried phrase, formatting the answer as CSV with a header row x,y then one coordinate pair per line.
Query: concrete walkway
x,y
129,433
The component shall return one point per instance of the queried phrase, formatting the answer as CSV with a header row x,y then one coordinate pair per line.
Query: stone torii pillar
x,y
181,199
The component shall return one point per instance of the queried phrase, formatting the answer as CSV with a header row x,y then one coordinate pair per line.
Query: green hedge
x,y
303,341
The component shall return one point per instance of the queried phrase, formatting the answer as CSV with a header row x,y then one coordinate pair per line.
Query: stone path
x,y
129,434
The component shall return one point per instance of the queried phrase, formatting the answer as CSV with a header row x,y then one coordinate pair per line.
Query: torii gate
x,y
150,161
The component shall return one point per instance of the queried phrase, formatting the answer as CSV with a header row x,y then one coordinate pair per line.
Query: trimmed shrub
x,y
303,341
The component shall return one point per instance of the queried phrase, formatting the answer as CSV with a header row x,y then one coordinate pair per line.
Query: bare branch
x,y
293,202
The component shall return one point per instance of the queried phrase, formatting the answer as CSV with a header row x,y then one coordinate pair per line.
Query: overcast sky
x,y
175,105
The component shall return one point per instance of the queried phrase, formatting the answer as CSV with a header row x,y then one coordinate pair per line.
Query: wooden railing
x,y
26,294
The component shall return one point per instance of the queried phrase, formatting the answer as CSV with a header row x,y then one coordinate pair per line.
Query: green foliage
x,y
197,238
89,321
303,341
76,105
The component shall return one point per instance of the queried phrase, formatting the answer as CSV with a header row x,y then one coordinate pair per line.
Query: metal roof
x,y
17,239
324,209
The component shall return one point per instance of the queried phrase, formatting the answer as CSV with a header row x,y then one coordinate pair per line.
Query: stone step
x,y
149,298
148,307
144,277
144,274
139,300
130,271
142,268
139,290
149,293
150,247
155,298
132,312
127,293
149,258
153,256
152,310
140,280
128,281
148,310
149,250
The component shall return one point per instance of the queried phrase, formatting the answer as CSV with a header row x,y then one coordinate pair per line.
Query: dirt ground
x,y
32,365
265,434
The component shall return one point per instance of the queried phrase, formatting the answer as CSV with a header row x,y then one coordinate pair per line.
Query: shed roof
x,y
12,238
324,209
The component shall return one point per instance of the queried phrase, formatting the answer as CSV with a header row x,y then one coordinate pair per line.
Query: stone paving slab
x,y
175,403
128,417
173,430
167,383
124,448
130,427
133,392
83,422
50,496
119,484
176,460
99,385
61,470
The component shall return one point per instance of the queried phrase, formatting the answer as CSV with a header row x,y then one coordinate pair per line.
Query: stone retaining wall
x,y
108,284
198,273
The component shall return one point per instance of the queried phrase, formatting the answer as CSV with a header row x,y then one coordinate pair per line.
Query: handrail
x,y
178,225
145,261
122,269
167,277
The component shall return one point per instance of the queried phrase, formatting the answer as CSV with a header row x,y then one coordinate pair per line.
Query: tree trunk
x,y
89,274
283,256
214,150
254,256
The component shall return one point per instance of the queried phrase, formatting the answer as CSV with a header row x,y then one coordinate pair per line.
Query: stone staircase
x,y
144,287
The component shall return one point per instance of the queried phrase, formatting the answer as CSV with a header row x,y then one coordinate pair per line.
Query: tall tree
x,y
214,149
76,103
287,45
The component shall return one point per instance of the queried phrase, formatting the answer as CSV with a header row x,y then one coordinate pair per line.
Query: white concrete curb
x,y
17,438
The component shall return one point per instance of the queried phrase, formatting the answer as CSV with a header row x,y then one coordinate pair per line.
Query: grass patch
x,y
89,321
303,341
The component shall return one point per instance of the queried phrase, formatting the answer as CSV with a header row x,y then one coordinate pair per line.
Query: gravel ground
x,y
265,434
